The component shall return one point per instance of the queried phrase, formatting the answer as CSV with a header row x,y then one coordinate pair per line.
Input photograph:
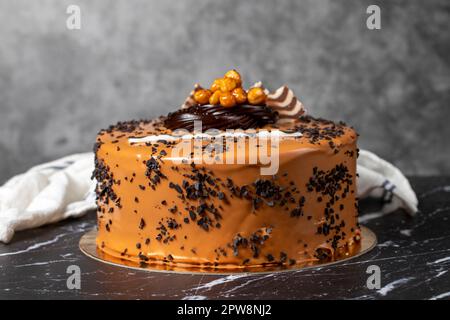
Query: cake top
x,y
227,105
305,130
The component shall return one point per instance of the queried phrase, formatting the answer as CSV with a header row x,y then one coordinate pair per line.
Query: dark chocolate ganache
x,y
218,117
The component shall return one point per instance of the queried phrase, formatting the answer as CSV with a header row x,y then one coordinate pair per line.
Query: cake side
x,y
222,215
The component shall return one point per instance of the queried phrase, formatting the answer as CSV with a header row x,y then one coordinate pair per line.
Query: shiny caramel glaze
x,y
152,211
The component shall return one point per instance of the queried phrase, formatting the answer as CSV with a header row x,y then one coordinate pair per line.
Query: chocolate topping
x,y
218,117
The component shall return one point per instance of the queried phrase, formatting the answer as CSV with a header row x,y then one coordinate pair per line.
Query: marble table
x,y
413,254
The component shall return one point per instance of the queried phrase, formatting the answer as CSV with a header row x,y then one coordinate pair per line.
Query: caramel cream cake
x,y
157,206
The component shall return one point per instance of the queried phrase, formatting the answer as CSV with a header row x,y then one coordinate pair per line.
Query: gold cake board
x,y
89,248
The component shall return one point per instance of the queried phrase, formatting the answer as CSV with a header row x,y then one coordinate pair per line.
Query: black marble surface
x,y
413,254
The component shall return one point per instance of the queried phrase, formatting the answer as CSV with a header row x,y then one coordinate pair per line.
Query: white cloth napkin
x,y
62,188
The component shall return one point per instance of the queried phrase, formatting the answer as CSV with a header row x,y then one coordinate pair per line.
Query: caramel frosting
x,y
151,210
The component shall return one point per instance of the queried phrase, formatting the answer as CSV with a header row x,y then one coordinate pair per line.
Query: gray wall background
x,y
139,59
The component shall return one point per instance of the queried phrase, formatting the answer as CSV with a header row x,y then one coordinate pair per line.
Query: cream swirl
x,y
286,103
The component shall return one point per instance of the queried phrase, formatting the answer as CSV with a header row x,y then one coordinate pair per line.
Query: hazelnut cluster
x,y
228,92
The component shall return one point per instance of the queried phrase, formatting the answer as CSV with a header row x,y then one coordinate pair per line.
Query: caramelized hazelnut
x,y
227,84
240,95
216,85
201,96
215,98
233,74
256,96
227,100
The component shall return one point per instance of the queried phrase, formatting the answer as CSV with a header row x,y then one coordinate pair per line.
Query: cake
x,y
222,205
